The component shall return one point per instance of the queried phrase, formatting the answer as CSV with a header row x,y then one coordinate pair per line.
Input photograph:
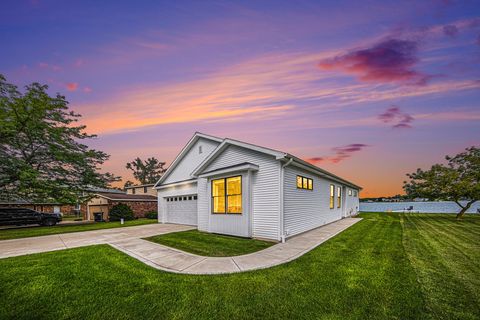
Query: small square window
x,y
168,199
180,198
349,192
185,198
190,198
194,197
176,199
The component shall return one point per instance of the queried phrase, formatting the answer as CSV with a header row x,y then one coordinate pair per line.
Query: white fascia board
x,y
176,184
182,153
227,142
243,167
323,173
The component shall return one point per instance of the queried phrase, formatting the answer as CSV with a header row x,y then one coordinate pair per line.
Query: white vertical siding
x,y
265,188
308,209
191,160
352,203
203,204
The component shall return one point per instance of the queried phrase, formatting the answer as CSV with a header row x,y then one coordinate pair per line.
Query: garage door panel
x,y
182,212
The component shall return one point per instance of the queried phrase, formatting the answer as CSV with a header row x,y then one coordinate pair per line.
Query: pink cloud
x,y
401,120
87,89
340,153
390,60
79,63
450,30
72,86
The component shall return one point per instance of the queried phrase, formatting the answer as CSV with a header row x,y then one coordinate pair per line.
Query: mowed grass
x,y
388,266
36,231
208,244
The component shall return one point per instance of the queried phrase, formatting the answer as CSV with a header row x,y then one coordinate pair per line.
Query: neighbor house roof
x,y
126,197
141,185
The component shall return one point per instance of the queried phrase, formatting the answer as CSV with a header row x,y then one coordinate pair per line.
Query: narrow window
x,y
200,149
234,195
310,184
133,190
194,197
299,182
218,196
339,197
145,189
332,196
227,195
355,193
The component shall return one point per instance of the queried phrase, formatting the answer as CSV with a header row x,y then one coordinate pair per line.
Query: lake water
x,y
425,206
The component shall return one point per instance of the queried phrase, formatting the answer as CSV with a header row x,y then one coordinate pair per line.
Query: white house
x,y
231,187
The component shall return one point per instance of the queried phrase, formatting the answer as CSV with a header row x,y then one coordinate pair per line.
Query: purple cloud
x,y
340,153
450,30
400,120
391,60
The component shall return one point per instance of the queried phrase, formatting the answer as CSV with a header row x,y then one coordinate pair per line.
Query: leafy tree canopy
x,y
42,158
148,171
458,180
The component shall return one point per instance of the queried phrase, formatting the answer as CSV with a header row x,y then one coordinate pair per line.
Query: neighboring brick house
x,y
102,202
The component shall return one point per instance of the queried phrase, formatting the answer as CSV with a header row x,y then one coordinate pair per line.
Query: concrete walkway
x,y
128,240
174,260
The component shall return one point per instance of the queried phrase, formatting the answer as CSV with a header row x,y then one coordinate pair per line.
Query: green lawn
x,y
43,231
388,266
207,244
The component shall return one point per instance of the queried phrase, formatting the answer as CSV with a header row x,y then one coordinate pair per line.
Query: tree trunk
x,y
464,209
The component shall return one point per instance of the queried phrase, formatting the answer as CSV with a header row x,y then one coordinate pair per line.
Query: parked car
x,y
22,216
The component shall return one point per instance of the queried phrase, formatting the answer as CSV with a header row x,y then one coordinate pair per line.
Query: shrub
x,y
119,211
151,215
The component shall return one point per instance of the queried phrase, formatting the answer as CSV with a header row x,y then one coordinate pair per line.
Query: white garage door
x,y
182,209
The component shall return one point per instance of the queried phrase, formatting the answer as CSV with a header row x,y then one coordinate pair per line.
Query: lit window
x,y
339,197
332,196
227,195
349,192
304,183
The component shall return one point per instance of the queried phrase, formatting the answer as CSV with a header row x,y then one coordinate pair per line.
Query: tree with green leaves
x,y
148,171
456,181
42,157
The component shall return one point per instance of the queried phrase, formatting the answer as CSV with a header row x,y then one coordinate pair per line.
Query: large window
x,y
227,195
304,183
332,196
339,197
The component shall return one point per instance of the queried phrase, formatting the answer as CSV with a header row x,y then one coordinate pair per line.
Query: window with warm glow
x,y
304,183
339,197
332,196
227,195
349,192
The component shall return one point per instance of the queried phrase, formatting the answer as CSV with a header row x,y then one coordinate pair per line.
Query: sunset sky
x,y
369,90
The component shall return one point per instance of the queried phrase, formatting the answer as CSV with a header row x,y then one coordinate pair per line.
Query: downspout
x,y
282,183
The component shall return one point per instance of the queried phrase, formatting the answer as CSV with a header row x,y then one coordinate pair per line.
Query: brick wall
x,y
47,208
139,208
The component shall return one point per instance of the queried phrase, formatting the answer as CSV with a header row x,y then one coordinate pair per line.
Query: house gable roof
x,y
228,142
279,155
184,151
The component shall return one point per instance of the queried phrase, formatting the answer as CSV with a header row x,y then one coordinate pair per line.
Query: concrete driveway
x,y
18,247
